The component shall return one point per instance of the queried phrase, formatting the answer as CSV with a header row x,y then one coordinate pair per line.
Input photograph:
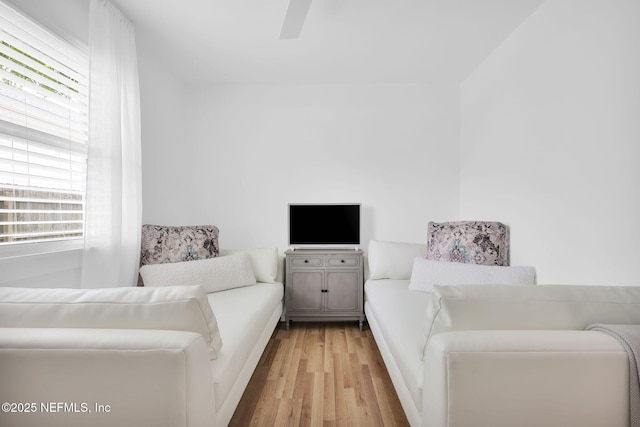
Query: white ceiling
x,y
342,41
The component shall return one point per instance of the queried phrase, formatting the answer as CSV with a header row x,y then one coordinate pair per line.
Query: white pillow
x,y
545,307
175,308
263,260
427,273
393,260
214,274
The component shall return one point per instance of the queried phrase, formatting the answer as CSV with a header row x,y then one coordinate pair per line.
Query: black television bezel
x,y
324,244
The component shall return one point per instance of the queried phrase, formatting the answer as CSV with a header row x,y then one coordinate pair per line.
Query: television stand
x,y
324,285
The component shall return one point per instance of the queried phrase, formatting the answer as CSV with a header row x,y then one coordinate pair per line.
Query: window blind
x,y
43,133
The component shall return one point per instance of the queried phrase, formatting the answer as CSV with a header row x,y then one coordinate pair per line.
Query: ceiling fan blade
x,y
294,19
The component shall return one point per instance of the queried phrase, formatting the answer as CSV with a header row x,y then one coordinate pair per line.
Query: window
x,y
43,136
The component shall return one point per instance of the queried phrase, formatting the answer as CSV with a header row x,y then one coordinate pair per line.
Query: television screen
x,y
324,224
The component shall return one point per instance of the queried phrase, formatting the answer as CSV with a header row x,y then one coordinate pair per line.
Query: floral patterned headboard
x,y
475,242
163,244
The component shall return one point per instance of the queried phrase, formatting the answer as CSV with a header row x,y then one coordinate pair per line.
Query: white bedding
x,y
399,313
243,315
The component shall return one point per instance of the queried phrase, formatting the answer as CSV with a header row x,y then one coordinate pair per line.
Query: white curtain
x,y
114,201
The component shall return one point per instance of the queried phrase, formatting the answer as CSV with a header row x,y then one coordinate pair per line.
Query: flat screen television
x,y
328,225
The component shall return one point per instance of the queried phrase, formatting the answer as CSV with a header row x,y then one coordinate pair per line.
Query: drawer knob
x,y
306,261
342,261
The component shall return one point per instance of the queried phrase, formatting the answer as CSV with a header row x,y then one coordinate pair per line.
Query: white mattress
x,y
399,314
242,315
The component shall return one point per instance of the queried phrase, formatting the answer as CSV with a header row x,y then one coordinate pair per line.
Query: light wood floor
x,y
320,374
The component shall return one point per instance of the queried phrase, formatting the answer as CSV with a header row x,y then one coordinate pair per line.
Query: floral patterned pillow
x,y
163,244
475,242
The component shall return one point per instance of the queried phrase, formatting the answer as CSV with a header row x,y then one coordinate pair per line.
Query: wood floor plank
x,y
352,409
288,413
329,403
279,360
304,390
317,402
390,407
320,374
357,379
369,395
338,377
347,375
291,373
315,352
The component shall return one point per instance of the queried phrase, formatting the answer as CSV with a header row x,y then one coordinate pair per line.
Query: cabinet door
x,y
343,293
306,290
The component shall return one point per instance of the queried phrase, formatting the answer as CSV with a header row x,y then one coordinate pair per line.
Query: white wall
x,y
551,140
163,112
248,150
